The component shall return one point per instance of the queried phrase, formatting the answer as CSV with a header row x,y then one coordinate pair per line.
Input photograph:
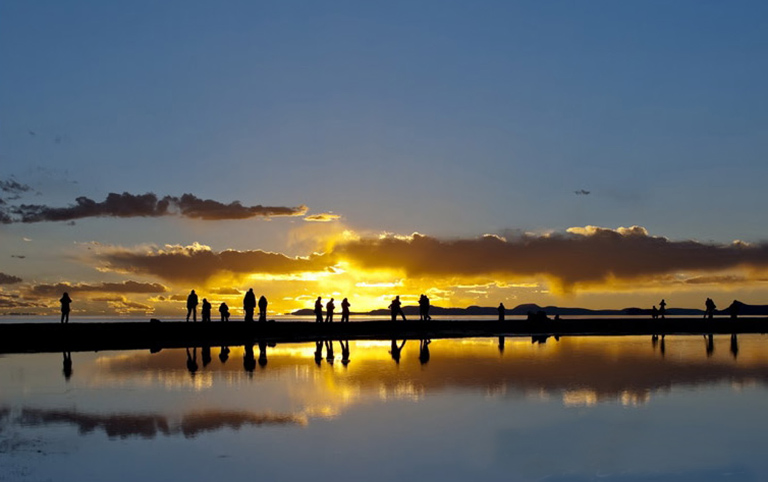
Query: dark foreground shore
x,y
55,337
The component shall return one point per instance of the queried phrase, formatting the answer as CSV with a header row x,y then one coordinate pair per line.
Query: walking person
x,y
249,305
395,308
345,311
319,310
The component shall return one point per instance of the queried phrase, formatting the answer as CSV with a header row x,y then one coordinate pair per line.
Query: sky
x,y
598,154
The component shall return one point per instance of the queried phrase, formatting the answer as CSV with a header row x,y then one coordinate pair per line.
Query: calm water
x,y
608,408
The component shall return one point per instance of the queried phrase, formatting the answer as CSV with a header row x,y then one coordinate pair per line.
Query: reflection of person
x,y
262,354
205,313
344,352
318,352
395,309
345,310
192,361
262,308
249,304
734,345
502,311
249,362
192,305
224,310
65,302
67,370
424,351
224,354
395,350
709,341
319,310
329,356
329,307
501,344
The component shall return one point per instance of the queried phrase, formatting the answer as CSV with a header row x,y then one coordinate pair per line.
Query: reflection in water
x,y
205,353
192,361
329,356
734,345
424,351
67,365
501,345
318,352
249,362
344,352
709,341
396,349
224,354
262,354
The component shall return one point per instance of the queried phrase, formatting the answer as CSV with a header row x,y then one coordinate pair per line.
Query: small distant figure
x,y
654,312
329,307
224,310
424,351
263,309
734,309
65,302
502,311
345,311
709,306
395,308
67,370
205,313
192,306
319,310
662,309
424,308
249,305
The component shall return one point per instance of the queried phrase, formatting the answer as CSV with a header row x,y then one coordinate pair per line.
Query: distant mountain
x,y
524,309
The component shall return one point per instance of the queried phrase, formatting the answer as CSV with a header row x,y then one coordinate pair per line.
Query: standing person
x,y
662,309
502,311
65,302
224,310
262,308
319,310
345,310
710,308
426,308
206,311
192,306
654,312
249,304
395,308
422,308
329,311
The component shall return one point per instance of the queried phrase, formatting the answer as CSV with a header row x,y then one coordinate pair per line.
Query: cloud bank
x,y
55,290
128,205
7,279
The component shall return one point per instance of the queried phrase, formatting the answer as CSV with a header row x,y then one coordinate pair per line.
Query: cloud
x,y
197,263
13,188
15,301
580,256
128,205
7,279
322,217
47,290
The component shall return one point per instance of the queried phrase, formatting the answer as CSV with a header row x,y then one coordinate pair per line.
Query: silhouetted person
x,y
427,306
395,350
501,344
319,310
224,310
557,317
263,309
345,310
502,311
262,354
192,306
654,312
734,345
734,309
422,308
249,304
424,351
249,362
192,361
344,352
65,302
67,367
710,343
329,356
395,309
205,353
329,307
318,352
224,354
710,308
205,313
662,309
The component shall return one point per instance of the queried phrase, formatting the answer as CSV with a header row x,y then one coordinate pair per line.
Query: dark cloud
x,y
14,188
322,217
15,301
18,256
7,279
128,205
583,255
48,290
196,264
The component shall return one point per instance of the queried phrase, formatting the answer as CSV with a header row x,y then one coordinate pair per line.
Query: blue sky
x,y
452,119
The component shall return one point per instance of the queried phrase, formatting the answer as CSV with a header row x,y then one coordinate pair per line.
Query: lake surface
x,y
577,409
